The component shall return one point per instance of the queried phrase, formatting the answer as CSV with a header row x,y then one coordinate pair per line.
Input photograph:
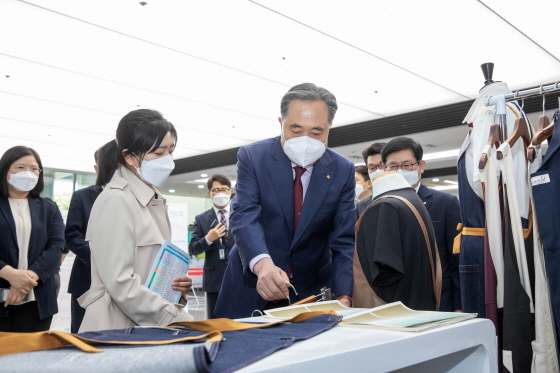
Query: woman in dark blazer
x,y
31,244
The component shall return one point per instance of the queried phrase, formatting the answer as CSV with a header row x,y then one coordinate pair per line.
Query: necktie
x,y
298,194
223,221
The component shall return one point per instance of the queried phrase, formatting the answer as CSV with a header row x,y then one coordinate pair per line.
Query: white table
x,y
468,346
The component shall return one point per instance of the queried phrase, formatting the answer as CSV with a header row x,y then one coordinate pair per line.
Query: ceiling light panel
x,y
445,44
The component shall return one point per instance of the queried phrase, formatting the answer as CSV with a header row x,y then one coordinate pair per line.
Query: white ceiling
x,y
217,69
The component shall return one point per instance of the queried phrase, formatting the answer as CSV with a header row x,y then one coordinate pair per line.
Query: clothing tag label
x,y
222,252
541,179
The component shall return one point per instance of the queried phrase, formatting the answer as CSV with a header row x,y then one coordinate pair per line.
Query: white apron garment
x,y
545,359
510,180
482,117
494,220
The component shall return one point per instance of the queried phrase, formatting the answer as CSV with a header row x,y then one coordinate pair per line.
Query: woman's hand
x,y
182,284
15,297
19,278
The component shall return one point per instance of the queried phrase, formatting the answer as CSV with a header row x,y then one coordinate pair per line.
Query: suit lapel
x,y
35,210
7,211
425,195
319,185
282,179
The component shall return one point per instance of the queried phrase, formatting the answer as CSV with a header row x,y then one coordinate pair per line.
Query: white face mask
x,y
376,173
24,181
221,199
359,190
411,176
157,171
304,150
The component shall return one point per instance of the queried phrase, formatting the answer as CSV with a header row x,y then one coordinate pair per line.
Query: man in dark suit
x,y
210,236
75,233
294,215
404,155
372,158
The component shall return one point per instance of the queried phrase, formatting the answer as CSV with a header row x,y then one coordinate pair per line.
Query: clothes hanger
x,y
520,129
545,131
493,140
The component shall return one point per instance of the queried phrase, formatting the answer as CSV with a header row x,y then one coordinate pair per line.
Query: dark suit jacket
x,y
362,205
319,252
444,211
214,267
46,244
75,233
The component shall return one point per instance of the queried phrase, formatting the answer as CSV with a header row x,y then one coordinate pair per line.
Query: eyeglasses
x,y
374,168
220,190
404,167
20,168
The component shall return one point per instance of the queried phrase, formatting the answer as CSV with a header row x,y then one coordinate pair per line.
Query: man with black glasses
x,y
210,236
372,158
404,155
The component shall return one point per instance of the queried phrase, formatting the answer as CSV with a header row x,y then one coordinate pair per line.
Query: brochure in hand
x,y
392,316
171,262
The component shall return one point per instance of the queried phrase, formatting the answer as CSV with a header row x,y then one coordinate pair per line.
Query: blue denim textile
x,y
546,196
471,260
238,349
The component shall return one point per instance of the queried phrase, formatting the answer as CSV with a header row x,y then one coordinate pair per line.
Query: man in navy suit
x,y
372,159
210,236
404,155
294,215
75,233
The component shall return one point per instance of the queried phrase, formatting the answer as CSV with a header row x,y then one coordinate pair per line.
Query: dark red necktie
x,y
298,194
223,221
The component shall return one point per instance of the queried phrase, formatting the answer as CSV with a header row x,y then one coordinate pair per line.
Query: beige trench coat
x,y
126,228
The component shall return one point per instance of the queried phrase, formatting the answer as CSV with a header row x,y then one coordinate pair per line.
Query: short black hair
x,y
220,179
364,171
402,143
140,132
8,158
105,163
373,149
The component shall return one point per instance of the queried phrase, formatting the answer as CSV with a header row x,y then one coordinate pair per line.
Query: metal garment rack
x,y
500,101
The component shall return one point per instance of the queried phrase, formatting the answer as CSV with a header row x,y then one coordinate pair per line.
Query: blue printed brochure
x,y
171,262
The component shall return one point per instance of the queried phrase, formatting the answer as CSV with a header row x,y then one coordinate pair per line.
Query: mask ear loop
x,y
259,311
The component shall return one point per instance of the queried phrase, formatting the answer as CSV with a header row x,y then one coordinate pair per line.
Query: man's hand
x,y
272,284
182,284
216,232
15,297
19,278
345,302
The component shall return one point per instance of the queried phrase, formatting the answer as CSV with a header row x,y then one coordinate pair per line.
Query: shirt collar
x,y
227,208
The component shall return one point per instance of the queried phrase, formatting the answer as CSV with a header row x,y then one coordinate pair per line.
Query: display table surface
x,y
468,346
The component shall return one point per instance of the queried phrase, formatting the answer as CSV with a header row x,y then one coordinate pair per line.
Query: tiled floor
x,y
61,321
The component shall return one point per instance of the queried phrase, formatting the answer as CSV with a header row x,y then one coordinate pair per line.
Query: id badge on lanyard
x,y
222,251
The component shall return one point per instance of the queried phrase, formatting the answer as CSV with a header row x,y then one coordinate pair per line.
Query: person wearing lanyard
x,y
210,236
31,244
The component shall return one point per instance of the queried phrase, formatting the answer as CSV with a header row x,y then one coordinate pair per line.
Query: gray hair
x,y
309,92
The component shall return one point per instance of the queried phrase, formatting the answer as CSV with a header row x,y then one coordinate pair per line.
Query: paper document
x,y
392,316
171,262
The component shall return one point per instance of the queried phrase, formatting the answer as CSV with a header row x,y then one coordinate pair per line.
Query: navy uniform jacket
x,y
362,205
46,244
75,233
444,211
319,252
214,267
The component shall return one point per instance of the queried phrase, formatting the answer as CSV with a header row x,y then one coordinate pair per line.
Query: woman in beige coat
x,y
127,226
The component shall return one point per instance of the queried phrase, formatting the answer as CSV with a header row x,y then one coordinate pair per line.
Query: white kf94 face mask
x,y
304,150
221,199
411,177
157,171
24,181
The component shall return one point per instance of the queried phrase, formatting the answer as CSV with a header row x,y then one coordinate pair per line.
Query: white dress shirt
x,y
305,178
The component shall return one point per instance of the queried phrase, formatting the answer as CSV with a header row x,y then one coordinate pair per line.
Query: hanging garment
x,y
237,348
545,358
471,259
392,251
546,195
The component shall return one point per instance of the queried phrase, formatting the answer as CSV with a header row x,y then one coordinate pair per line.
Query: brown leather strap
x,y
435,267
